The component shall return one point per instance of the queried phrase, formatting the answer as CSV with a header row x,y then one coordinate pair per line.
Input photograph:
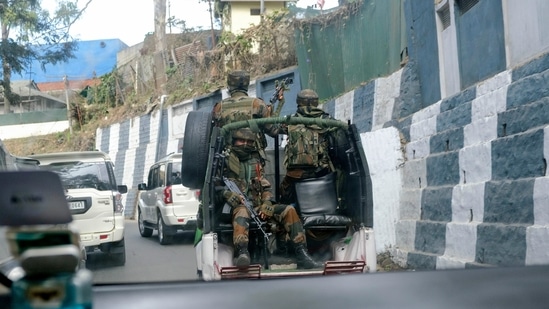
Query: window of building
x,y
444,16
465,5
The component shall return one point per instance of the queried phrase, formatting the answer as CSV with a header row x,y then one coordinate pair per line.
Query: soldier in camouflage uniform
x,y
244,167
307,106
239,106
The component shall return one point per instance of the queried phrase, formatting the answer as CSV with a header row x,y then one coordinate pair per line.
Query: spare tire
x,y
196,143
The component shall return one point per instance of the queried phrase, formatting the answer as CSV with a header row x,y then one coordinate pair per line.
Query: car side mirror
x,y
123,189
142,187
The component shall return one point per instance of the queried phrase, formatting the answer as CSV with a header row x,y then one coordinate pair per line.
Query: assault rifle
x,y
278,94
231,185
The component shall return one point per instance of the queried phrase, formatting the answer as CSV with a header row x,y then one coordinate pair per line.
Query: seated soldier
x,y
243,166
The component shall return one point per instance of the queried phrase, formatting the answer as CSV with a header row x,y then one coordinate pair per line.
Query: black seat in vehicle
x,y
317,203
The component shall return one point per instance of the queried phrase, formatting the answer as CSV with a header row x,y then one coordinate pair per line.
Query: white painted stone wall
x,y
32,129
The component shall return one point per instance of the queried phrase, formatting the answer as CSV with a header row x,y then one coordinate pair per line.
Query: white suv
x,y
164,203
94,199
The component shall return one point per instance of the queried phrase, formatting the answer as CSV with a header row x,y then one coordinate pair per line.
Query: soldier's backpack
x,y
232,110
237,109
307,147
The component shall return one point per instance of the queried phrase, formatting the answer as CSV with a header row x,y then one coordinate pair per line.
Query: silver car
x,y
164,204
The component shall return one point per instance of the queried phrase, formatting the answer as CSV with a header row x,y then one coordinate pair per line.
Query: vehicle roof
x,y
88,156
171,156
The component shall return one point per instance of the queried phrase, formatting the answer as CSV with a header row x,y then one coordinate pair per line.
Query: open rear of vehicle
x,y
336,210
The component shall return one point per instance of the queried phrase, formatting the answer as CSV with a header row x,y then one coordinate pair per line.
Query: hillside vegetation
x,y
114,100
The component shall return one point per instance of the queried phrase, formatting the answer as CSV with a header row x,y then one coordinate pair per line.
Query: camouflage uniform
x,y
239,106
245,168
245,174
307,106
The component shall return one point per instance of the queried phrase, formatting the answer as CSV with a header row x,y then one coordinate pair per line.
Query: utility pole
x,y
211,23
66,80
261,9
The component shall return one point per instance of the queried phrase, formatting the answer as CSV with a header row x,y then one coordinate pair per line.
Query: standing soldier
x,y
239,106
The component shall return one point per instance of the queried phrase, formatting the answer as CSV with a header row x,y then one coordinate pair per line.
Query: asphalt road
x,y
147,260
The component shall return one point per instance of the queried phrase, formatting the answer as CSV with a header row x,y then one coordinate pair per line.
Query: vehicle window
x,y
82,175
150,178
162,175
174,169
154,178
2,159
110,171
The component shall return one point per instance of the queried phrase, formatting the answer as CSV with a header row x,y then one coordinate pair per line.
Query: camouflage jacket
x,y
240,107
248,175
325,162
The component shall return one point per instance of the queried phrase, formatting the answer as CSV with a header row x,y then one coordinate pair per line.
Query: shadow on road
x,y
99,260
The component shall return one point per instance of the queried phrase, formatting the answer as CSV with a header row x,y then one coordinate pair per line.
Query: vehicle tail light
x,y
197,194
118,207
168,195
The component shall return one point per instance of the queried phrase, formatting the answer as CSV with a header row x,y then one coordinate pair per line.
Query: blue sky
x,y
131,20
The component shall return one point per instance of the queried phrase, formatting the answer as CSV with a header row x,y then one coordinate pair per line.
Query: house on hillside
x,y
32,99
37,113
92,59
237,15
57,89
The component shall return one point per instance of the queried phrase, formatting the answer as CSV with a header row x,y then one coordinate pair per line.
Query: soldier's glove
x,y
233,199
267,209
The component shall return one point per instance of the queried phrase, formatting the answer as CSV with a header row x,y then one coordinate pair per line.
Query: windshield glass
x,y
82,175
207,140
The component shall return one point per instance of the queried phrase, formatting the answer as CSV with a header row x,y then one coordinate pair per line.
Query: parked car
x,y
94,198
165,204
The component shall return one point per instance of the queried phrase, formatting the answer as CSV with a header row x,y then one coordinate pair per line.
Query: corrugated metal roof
x,y
29,88
184,51
73,84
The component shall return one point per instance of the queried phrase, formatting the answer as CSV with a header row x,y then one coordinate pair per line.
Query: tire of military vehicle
x,y
195,149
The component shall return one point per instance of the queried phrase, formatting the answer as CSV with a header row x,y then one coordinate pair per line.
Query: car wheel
x,y
163,237
198,129
119,257
143,230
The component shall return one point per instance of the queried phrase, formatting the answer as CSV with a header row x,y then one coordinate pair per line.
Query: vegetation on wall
x,y
260,49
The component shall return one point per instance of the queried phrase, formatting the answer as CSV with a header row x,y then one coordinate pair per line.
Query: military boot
x,y
243,258
304,260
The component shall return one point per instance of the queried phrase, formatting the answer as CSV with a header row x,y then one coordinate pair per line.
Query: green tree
x,y
30,33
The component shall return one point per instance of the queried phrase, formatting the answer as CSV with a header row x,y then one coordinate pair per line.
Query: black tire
x,y
198,129
144,231
164,237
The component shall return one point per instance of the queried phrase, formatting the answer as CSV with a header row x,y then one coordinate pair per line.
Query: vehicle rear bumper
x,y
95,239
186,222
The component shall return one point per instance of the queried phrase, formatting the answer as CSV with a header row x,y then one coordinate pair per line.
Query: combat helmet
x,y
307,97
238,81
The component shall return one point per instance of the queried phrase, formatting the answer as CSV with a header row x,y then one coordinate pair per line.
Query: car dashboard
x,y
512,287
